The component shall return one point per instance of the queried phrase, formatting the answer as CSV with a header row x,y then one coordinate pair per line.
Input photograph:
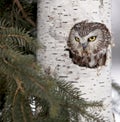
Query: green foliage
x,y
20,13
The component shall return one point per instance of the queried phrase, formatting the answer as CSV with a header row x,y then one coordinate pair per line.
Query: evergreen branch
x,y
93,117
66,87
19,38
19,85
13,104
17,70
23,13
37,83
75,94
11,11
22,109
28,75
74,101
26,110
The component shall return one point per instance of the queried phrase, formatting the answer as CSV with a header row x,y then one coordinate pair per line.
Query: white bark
x,y
55,19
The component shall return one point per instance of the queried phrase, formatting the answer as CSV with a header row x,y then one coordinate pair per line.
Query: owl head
x,y
88,36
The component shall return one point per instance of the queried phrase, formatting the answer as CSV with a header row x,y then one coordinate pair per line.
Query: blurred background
x,y
116,33
116,53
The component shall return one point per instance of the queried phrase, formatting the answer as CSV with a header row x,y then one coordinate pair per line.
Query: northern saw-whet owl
x,y
88,43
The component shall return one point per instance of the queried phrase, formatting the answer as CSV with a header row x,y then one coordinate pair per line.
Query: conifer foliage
x,y
28,95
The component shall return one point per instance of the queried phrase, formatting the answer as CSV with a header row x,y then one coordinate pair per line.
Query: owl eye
x,y
77,39
92,38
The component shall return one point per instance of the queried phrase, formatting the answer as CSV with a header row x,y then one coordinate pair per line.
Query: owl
x,y
88,43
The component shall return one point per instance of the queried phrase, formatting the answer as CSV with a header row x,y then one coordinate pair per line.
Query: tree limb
x,y
17,2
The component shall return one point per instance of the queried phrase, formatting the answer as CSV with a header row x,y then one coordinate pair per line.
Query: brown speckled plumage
x,y
94,54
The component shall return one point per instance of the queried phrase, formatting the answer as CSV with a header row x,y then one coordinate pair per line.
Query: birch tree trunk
x,y
55,19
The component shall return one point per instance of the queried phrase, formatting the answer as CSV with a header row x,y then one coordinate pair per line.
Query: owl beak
x,y
84,45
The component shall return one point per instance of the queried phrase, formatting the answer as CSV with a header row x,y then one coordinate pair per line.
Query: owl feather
x,y
88,43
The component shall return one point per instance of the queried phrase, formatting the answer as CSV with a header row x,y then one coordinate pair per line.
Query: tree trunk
x,y
55,20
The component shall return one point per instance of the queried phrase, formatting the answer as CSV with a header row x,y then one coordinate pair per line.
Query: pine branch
x,y
23,12
17,2
18,39
19,13
77,104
